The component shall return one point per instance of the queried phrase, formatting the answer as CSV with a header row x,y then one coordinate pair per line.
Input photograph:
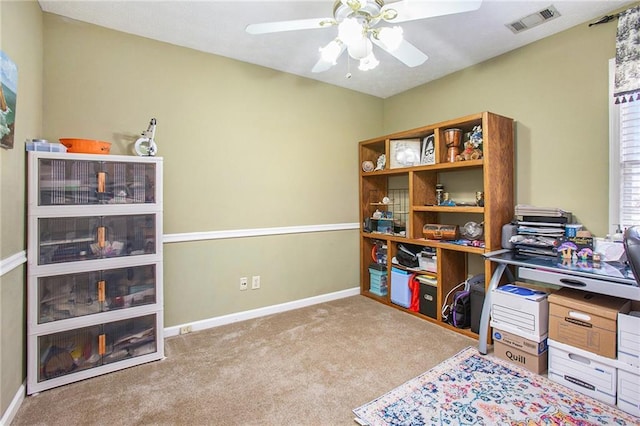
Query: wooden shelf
x,y
493,175
384,299
459,165
449,209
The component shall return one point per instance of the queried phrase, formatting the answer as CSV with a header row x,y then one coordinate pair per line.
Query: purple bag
x,y
461,309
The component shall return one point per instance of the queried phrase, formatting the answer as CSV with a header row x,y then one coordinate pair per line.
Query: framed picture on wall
x,y
8,96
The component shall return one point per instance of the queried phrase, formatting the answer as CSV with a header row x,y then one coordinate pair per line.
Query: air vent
x,y
534,19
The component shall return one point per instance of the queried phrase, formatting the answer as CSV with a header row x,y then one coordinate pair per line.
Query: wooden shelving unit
x,y
493,174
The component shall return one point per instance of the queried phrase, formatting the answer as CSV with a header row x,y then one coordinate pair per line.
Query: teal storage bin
x,y
378,282
400,291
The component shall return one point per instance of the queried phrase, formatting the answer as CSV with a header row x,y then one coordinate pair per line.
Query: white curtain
x,y
627,81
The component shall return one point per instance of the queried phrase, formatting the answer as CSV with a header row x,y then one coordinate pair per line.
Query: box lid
x,y
427,280
523,292
601,305
378,267
399,271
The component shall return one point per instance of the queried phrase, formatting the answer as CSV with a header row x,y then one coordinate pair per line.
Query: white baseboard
x,y
260,312
13,408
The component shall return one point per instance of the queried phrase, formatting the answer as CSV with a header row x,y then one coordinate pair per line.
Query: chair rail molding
x,y
256,232
12,262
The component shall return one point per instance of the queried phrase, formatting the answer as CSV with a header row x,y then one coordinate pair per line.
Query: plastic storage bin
x,y
400,291
378,280
428,262
42,145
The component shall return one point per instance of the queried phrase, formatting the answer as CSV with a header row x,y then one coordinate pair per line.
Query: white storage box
x,y
578,371
521,311
629,392
629,336
428,262
42,145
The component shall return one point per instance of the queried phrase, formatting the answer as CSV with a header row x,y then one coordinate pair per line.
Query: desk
x,y
614,279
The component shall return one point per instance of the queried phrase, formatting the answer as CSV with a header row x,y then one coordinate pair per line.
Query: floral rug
x,y
471,389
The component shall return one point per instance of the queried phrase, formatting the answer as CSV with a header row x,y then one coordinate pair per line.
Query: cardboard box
x,y
521,311
535,363
629,335
519,342
585,320
583,374
629,392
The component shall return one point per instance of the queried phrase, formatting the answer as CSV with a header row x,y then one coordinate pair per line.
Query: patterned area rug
x,y
471,389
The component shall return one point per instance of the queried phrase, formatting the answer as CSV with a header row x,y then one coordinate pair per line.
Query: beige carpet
x,y
310,366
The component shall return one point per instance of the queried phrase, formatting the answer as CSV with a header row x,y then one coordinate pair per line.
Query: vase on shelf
x,y
452,139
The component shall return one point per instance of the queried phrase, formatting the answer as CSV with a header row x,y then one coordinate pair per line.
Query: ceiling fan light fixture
x,y
357,22
390,37
350,31
368,63
331,51
360,49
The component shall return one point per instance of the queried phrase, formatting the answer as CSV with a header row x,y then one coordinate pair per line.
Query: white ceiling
x,y
452,42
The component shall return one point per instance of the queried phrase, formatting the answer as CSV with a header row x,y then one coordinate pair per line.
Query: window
x,y
624,160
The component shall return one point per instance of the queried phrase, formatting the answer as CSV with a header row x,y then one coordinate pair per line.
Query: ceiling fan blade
x,y
322,65
411,10
298,24
406,53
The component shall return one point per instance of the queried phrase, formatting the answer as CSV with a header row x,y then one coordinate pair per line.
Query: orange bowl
x,y
86,146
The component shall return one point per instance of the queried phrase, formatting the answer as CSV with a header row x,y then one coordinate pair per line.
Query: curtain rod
x,y
605,19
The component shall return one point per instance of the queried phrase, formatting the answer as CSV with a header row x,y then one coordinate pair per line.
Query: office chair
x,y
631,243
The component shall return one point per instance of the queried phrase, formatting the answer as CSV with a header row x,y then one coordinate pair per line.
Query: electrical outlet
x,y
185,329
255,282
243,283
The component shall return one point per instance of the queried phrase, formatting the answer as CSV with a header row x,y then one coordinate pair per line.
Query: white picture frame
x,y
404,153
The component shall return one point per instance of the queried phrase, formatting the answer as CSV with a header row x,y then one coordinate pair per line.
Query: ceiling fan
x,y
358,29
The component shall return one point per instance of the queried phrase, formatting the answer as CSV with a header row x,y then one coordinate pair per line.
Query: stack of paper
x,y
527,211
556,231
538,228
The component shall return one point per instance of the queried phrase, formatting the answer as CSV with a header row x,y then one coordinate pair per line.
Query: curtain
x,y
627,81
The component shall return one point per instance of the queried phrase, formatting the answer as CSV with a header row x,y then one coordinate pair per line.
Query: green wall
x,y
557,91
21,32
247,147
244,147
